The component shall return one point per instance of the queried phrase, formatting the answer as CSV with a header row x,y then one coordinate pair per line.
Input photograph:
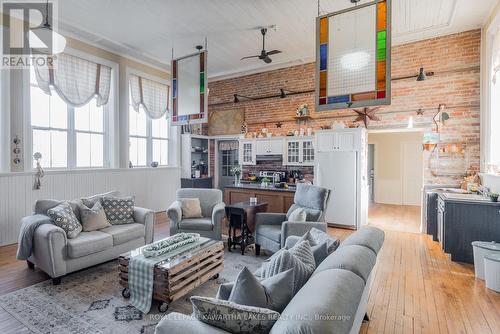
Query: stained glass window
x,y
353,53
189,84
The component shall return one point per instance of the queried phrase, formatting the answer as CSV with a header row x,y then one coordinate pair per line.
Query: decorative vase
x,y
236,179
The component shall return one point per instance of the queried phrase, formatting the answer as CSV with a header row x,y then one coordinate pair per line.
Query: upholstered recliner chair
x,y
272,229
212,209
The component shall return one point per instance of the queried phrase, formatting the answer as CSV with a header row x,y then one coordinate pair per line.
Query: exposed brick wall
x,y
459,90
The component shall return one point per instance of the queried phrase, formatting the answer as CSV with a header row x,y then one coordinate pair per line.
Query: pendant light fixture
x,y
43,37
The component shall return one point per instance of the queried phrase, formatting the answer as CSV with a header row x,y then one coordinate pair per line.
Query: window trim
x,y
129,71
110,140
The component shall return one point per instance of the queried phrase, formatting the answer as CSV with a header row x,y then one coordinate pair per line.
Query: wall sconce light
x,y
282,93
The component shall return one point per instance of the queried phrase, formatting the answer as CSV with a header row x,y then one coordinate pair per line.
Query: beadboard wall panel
x,y
153,188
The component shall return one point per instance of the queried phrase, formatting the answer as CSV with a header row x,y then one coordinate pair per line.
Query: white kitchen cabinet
x,y
269,146
338,140
299,152
247,152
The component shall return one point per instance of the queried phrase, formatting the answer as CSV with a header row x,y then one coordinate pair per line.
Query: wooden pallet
x,y
171,282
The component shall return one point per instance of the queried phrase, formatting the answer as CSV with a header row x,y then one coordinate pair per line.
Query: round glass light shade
x,y
39,39
355,60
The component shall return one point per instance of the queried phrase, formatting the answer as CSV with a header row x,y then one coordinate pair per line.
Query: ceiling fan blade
x,y
250,57
267,60
273,52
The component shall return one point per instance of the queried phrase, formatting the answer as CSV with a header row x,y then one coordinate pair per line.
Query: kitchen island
x,y
278,199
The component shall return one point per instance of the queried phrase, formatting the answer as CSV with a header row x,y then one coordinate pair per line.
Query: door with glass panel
x,y
228,158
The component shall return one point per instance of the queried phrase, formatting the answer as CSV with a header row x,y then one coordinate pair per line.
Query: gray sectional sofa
x,y
57,255
333,300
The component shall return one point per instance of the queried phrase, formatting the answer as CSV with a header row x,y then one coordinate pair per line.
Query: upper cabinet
x,y
269,146
299,152
338,140
247,152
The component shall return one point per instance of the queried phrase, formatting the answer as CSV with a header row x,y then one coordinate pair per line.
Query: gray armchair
x,y
272,229
212,209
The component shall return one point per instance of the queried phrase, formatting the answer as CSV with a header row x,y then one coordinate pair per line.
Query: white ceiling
x,y
149,29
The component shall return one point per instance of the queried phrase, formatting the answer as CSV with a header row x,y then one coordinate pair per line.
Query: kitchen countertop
x,y
256,186
469,198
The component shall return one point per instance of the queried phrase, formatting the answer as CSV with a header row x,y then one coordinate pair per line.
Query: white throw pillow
x,y
191,208
298,215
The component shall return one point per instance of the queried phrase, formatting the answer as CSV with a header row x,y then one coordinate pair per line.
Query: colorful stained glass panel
x,y
323,30
381,16
323,54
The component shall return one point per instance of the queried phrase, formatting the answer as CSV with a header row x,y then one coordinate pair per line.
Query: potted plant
x,y
236,171
494,197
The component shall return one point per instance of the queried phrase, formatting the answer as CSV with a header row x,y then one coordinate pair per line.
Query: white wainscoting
x,y
153,188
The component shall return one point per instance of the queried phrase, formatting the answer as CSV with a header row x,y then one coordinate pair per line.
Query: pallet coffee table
x,y
179,275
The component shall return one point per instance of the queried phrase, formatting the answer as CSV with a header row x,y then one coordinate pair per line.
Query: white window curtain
x,y
76,80
151,95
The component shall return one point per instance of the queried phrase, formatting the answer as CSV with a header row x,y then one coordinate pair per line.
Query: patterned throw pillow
x,y
119,211
232,317
93,218
64,217
299,258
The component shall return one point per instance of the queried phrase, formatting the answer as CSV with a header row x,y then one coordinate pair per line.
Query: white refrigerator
x,y
340,172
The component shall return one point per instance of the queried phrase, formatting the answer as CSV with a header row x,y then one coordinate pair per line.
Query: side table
x,y
242,216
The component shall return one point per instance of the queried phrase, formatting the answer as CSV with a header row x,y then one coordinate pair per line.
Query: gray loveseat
x,y
333,300
57,255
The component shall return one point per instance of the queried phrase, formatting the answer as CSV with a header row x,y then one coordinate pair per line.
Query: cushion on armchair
x,y
196,224
191,208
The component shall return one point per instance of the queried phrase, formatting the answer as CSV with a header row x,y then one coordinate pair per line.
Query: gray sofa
x,y
57,255
272,229
333,300
212,209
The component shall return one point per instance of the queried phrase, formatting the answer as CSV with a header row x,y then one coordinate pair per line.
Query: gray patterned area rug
x,y
90,301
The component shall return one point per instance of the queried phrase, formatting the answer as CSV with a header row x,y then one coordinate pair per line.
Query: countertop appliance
x,y
343,171
274,176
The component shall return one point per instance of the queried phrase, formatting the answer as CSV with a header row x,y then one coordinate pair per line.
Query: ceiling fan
x,y
264,55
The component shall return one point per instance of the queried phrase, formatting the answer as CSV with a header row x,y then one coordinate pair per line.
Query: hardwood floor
x,y
416,288
402,218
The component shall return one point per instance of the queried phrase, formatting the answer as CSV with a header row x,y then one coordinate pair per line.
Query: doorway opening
x,y
228,158
395,179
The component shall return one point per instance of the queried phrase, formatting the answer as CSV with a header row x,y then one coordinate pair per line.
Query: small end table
x,y
242,216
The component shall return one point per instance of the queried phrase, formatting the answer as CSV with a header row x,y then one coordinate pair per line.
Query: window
x,y
148,139
66,137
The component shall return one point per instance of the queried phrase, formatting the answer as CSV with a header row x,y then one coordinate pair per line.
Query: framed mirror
x,y
353,57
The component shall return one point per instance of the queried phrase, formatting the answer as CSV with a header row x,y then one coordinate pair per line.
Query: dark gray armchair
x,y
272,229
212,208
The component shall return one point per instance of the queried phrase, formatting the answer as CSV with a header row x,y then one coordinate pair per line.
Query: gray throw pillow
x,y
119,210
272,293
298,215
91,200
93,218
64,217
320,237
320,250
292,259
232,317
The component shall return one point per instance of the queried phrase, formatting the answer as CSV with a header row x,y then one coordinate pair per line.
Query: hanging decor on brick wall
x,y
353,57
189,89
